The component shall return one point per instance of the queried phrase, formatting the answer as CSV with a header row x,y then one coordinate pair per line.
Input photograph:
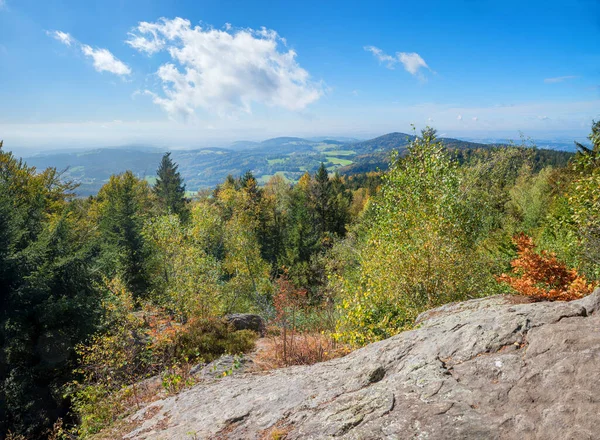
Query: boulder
x,y
246,321
484,369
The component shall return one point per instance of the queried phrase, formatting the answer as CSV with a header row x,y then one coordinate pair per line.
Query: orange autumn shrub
x,y
542,276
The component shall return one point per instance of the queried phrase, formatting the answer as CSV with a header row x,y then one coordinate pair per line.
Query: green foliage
x,y
583,197
169,188
530,198
185,279
133,282
49,299
123,203
319,212
135,345
420,250
210,338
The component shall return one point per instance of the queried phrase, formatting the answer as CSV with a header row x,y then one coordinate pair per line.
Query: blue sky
x,y
187,73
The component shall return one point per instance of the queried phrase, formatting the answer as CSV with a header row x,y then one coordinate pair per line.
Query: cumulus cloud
x,y
223,70
559,79
411,61
103,59
475,118
543,118
64,37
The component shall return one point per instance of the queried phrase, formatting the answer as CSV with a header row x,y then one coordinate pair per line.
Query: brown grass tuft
x,y
292,348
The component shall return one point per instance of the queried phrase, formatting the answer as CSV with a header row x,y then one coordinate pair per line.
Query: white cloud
x,y
2,4
459,117
559,79
149,40
64,37
381,56
224,71
475,118
411,61
543,118
104,61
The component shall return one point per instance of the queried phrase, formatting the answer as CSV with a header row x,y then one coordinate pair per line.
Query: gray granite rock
x,y
482,369
247,321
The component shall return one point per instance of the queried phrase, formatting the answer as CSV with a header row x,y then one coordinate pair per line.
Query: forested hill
x,y
373,155
289,157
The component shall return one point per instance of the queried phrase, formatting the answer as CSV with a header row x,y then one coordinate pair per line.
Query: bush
x,y
542,276
301,332
199,339
138,345
420,249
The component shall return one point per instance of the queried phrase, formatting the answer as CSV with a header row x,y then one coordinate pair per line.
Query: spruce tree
x,y
341,199
123,205
169,187
322,198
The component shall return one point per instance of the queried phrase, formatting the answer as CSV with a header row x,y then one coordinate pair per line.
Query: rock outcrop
x,y
246,321
483,369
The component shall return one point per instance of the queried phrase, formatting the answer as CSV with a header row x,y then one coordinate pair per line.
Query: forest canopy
x,y
103,292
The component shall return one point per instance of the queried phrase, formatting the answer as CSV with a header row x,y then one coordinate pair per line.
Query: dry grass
x,y
292,348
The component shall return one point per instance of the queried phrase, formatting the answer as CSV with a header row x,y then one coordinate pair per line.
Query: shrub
x,y
204,339
138,345
541,276
420,249
301,335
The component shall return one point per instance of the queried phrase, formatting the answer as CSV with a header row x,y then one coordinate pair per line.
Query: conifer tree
x,y
341,199
169,187
123,204
322,198
48,298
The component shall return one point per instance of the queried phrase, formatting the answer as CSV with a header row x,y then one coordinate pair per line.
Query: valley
x,y
289,157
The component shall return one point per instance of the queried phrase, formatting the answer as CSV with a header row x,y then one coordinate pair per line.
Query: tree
x,y
302,237
340,202
186,278
420,248
169,188
322,198
583,198
123,204
49,300
273,221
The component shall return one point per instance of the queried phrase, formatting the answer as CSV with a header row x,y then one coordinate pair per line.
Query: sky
x,y
182,73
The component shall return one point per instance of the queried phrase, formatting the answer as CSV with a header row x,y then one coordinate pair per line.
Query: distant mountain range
x,y
289,157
